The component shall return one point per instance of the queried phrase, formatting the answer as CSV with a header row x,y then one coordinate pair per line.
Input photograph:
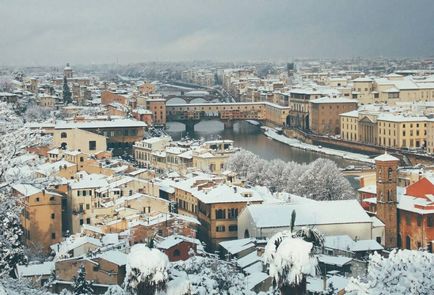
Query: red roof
x,y
420,188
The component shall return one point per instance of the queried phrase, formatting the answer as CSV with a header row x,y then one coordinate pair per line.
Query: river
x,y
250,137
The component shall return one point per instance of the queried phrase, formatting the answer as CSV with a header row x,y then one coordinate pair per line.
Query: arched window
x,y
246,234
389,196
176,253
389,173
63,146
63,135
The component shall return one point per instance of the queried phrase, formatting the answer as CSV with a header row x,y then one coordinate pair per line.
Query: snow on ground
x,y
323,150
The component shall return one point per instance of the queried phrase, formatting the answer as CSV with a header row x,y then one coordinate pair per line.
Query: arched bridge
x,y
190,114
191,96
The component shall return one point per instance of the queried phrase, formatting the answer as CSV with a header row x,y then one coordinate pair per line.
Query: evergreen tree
x,y
81,286
67,96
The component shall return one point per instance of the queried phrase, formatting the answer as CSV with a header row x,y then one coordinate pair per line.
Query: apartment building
x,y
393,88
79,140
430,136
324,114
41,217
386,129
119,134
215,204
161,154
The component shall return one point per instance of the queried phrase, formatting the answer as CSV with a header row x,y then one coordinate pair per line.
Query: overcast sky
x,y
52,32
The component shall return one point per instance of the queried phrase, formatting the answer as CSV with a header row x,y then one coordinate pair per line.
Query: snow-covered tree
x,y
146,270
11,286
115,290
322,180
6,84
35,113
403,272
81,285
206,275
11,248
14,139
290,260
67,95
319,180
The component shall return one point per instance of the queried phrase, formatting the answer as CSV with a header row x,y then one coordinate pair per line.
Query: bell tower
x,y
386,167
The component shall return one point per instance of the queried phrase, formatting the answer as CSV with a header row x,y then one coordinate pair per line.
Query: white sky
x,y
104,31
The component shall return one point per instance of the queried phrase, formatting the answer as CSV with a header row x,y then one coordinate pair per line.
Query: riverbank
x,y
271,133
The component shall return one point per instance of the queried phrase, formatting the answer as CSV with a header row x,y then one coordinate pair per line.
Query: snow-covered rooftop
x,y
26,189
40,269
121,123
311,213
386,157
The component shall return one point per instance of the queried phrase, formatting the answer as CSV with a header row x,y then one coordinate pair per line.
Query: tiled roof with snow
x,y
40,269
386,157
333,100
311,213
236,246
122,123
26,189
114,256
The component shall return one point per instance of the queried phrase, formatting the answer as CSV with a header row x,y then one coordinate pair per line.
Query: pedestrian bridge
x,y
190,114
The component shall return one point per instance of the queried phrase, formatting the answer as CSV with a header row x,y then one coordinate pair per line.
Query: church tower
x,y
67,71
386,167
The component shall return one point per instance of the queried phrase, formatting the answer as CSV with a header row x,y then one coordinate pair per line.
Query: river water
x,y
250,137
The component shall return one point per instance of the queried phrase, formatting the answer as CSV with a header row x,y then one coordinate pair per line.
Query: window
x,y
81,159
176,253
53,236
87,206
430,220
419,220
84,193
220,228
233,227
389,173
408,219
92,145
63,135
233,213
220,214
88,220
81,221
53,215
37,200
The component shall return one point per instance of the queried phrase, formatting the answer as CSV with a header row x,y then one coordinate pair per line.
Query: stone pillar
x,y
189,127
229,124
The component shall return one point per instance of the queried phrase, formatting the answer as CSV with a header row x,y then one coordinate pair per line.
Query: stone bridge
x,y
190,96
228,113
